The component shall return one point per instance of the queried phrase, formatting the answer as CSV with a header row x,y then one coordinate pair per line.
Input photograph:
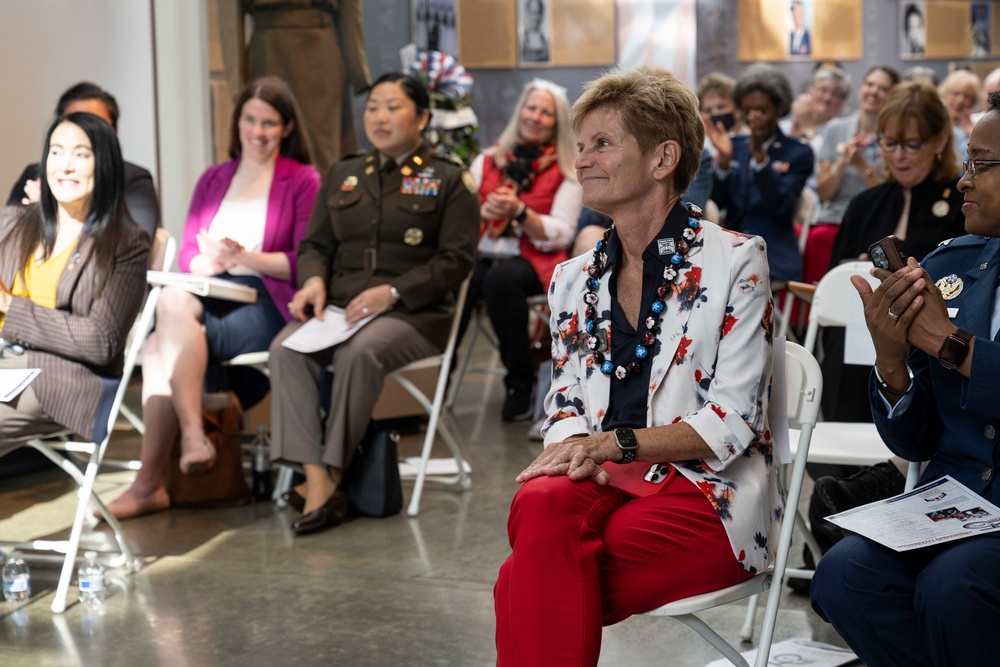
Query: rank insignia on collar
x,y
417,160
349,184
369,170
405,170
950,286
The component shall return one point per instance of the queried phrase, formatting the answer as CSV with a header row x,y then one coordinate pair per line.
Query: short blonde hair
x,y
965,82
565,145
920,102
654,108
715,83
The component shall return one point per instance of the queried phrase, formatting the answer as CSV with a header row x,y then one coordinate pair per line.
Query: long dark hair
x,y
274,91
108,214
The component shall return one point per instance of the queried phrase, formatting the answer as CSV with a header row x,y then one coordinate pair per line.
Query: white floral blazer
x,y
712,370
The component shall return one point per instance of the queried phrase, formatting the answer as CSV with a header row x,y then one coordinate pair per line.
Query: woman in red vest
x,y
529,204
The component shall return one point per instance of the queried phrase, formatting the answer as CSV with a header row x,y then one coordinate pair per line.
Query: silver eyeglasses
x,y
972,166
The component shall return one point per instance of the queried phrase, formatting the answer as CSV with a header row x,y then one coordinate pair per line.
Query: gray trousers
x,y
360,365
23,417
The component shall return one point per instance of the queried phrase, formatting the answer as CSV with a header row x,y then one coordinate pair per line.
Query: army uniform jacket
x,y
415,227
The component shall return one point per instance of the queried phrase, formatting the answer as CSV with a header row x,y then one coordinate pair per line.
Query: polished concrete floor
x,y
236,587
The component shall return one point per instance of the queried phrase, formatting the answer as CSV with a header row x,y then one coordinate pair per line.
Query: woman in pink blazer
x,y
245,221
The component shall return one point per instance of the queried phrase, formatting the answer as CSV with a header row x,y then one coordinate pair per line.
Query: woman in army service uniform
x,y
392,236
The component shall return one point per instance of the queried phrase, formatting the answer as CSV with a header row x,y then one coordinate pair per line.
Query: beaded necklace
x,y
671,274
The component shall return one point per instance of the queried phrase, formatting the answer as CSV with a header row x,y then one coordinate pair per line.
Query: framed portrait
x,y
534,30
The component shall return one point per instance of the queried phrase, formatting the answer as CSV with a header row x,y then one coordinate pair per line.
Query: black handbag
x,y
372,480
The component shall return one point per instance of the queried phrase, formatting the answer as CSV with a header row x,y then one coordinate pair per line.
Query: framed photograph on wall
x,y
912,30
534,30
435,26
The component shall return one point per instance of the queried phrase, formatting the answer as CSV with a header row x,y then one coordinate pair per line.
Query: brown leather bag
x,y
224,485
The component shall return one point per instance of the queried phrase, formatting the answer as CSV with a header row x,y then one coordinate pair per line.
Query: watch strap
x,y
627,443
954,349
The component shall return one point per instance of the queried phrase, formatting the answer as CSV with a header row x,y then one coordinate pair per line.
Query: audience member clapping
x,y
246,218
760,177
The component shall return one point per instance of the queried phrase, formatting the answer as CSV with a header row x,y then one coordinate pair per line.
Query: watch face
x,y
625,438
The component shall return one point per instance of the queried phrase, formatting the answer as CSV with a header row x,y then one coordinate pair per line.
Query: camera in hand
x,y
887,254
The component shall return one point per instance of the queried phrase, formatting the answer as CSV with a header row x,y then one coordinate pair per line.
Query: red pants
x,y
586,555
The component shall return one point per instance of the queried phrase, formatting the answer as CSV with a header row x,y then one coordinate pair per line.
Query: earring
x,y
937,157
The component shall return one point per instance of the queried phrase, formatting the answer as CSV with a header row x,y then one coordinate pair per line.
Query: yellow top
x,y
40,280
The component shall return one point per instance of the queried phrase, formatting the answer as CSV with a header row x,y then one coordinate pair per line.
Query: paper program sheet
x,y
15,380
316,335
939,511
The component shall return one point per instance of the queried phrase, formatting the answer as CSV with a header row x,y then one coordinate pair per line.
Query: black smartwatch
x,y
955,349
522,214
625,439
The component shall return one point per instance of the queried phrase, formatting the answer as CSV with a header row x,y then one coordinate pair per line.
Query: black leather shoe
x,y
875,483
293,499
331,514
517,405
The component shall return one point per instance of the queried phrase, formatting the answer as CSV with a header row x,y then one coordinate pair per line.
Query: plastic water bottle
x,y
263,482
91,580
16,579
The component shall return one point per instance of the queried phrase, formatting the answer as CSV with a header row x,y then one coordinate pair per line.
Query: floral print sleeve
x,y
733,386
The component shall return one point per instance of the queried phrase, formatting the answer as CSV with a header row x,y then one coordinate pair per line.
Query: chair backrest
x,y
803,387
832,298
164,250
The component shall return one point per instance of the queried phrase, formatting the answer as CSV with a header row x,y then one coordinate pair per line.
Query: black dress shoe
x,y
331,514
293,499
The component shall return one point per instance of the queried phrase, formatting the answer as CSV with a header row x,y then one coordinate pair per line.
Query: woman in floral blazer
x,y
657,481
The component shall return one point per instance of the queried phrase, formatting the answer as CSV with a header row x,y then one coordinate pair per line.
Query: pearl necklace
x,y
598,344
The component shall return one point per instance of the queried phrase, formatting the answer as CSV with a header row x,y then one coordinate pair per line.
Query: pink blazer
x,y
289,204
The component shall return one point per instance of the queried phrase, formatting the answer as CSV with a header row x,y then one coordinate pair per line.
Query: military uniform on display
x,y
317,47
413,226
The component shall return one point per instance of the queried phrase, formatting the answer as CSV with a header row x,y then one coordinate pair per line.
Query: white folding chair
x,y
804,385
161,257
93,454
832,298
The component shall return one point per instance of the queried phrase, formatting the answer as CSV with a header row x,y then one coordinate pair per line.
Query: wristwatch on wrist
x,y
394,292
954,349
625,439
522,214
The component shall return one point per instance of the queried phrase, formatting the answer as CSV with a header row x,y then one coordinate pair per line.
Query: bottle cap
x,y
90,555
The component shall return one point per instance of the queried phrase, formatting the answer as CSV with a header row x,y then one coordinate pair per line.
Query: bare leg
x,y
147,493
183,353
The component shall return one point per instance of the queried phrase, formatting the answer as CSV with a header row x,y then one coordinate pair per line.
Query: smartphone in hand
x,y
887,254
